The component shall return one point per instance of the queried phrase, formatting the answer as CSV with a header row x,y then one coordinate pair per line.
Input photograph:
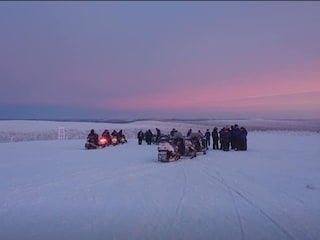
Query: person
x,y
243,139
93,139
114,133
140,137
232,137
105,133
202,140
220,139
121,137
225,139
179,142
158,135
189,132
173,132
215,138
119,134
148,135
236,137
200,133
196,139
107,136
207,136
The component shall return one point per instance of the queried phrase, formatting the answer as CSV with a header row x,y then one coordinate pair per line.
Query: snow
x,y
58,190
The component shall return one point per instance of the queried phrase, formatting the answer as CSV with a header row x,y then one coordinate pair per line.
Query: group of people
x,y
94,141
228,138
148,136
233,137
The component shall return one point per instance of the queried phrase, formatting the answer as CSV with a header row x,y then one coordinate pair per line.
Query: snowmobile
x,y
199,143
91,145
170,149
167,152
114,140
104,141
190,149
122,139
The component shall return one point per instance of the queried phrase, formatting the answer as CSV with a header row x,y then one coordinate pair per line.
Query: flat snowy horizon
x,y
55,189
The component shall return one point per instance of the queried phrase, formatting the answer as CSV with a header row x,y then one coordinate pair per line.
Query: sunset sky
x,y
160,59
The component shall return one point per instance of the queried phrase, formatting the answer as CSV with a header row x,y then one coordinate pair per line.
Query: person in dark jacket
x,y
158,135
121,137
236,137
189,132
225,139
232,142
207,136
215,138
114,133
179,142
243,139
140,136
220,139
107,136
106,133
119,134
173,131
148,135
93,139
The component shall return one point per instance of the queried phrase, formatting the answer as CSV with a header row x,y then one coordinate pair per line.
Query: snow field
x,y
58,190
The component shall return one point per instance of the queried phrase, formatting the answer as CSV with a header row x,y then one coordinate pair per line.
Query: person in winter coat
x,y
196,139
215,138
179,142
121,137
140,137
203,140
225,139
232,138
148,135
207,136
189,132
119,134
93,138
114,133
105,133
107,136
236,137
243,139
173,131
158,135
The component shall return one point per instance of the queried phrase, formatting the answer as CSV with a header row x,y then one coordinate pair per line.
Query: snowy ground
x,y
58,190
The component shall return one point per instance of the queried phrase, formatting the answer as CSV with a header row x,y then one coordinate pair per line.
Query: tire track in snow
x,y
182,198
267,216
238,214
180,202
220,179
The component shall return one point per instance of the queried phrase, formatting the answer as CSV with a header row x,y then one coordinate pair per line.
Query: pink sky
x,y
242,59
